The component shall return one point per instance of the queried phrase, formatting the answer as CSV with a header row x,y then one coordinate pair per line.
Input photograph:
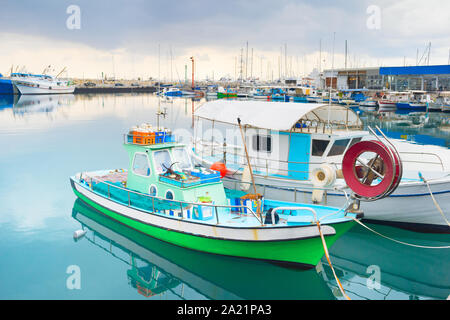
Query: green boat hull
x,y
226,95
306,253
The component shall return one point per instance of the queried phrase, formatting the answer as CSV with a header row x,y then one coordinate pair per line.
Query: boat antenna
x,y
45,69
257,197
159,86
64,69
331,81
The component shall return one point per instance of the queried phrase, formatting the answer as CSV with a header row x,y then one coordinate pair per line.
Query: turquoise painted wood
x,y
143,180
299,151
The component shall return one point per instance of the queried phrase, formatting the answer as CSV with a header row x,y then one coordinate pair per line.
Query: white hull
x,y
253,234
434,107
368,105
387,106
259,97
409,204
23,89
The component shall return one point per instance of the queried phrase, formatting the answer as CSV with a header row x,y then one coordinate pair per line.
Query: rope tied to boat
x,y
325,249
398,241
433,198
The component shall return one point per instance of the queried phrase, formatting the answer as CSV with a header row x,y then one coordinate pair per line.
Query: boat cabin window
x,y
153,191
262,143
140,165
162,161
355,140
182,158
338,147
169,195
319,147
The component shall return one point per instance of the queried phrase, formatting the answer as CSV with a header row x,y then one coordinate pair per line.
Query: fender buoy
x,y
355,175
246,179
324,176
79,234
221,167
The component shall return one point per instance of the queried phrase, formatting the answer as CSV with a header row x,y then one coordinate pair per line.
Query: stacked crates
x,y
146,135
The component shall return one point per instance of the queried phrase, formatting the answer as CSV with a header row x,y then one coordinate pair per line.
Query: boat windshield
x,y
162,160
338,147
182,158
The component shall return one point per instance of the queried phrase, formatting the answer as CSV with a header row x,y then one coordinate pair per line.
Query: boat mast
x,y
258,207
64,69
159,85
193,65
246,61
331,81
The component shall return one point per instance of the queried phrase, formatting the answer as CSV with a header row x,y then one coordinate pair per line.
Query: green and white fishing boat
x,y
163,195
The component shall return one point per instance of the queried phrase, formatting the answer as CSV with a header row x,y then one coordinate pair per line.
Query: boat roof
x,y
280,116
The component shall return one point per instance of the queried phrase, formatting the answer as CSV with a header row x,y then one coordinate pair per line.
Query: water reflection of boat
x,y
41,103
7,101
214,277
405,272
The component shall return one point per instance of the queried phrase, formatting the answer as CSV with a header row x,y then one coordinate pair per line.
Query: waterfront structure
x,y
426,78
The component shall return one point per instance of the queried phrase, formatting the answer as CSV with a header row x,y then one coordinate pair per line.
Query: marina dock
x,y
114,89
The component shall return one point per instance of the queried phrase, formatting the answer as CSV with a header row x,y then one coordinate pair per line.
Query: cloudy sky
x,y
128,38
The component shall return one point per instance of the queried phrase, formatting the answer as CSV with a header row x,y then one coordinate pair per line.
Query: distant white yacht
x,y
28,83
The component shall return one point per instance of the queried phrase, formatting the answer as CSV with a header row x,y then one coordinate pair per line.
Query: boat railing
x,y
440,163
172,204
268,168
264,189
264,166
311,210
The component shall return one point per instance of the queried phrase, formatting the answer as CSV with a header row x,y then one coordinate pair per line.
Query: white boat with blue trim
x,y
28,83
296,151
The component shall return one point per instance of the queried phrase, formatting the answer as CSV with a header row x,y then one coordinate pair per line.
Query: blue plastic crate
x,y
179,183
159,136
207,177
203,213
169,137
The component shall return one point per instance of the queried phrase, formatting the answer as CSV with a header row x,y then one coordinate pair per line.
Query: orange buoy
x,y
221,167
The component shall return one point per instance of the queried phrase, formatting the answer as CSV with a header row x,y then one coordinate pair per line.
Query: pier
x,y
115,89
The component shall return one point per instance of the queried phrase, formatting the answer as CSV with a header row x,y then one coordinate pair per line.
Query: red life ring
x,y
352,171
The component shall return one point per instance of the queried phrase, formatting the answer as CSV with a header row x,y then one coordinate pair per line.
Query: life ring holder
x,y
389,178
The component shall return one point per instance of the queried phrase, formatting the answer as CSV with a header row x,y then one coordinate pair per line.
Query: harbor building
x,y
426,78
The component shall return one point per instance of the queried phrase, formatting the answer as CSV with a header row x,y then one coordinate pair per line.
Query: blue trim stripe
x,y
416,70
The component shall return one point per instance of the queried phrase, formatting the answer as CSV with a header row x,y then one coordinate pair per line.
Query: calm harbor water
x,y
45,139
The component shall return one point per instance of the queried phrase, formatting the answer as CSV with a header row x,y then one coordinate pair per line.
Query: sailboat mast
x,y
331,81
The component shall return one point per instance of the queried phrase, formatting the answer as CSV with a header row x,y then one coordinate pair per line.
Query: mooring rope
x,y
325,249
398,241
433,198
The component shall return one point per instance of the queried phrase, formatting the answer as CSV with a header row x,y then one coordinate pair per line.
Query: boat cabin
x,y
284,140
163,168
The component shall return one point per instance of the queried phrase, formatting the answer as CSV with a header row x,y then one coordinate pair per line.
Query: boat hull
x,y
24,89
411,106
419,213
386,105
226,95
305,252
7,87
